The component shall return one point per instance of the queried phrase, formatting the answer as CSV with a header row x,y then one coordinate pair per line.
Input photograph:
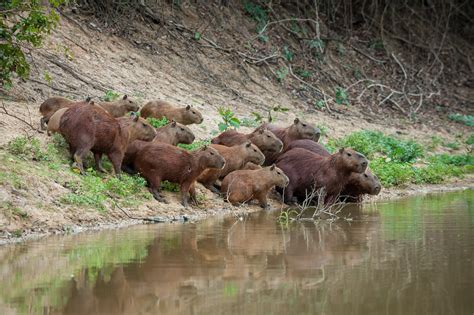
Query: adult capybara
x,y
309,145
174,133
51,105
159,109
360,184
120,107
307,171
90,128
54,120
298,130
264,139
160,161
251,166
245,185
235,158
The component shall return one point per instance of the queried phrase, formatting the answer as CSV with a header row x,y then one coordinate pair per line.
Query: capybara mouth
x,y
376,190
317,137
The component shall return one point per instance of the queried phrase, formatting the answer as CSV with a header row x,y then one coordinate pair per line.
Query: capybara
x,y
264,139
309,145
51,105
251,166
54,120
235,158
298,130
159,109
245,185
120,107
174,133
91,128
360,184
307,171
160,161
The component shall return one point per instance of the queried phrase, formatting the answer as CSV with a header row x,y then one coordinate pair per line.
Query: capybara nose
x,y
377,189
364,164
317,135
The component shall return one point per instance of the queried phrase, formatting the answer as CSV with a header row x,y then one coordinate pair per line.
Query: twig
x,y
367,55
148,219
29,124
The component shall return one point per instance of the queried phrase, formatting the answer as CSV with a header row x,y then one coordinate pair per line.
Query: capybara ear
x,y
272,167
125,97
173,123
88,99
296,121
261,131
341,150
188,107
91,103
248,144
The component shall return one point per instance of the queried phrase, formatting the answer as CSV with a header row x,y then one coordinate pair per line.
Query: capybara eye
x,y
144,125
348,154
365,175
212,153
278,173
130,102
182,129
254,150
304,125
194,112
268,136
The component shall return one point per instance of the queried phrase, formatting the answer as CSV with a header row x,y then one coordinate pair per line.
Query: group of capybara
x,y
242,167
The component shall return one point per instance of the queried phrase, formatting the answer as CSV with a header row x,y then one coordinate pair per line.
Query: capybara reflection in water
x,y
235,157
245,185
264,139
159,109
307,171
90,128
160,161
298,130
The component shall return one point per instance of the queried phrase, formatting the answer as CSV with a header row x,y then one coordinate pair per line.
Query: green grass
x,y
157,123
467,120
195,145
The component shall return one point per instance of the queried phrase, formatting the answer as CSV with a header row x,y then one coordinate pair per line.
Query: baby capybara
x,y
159,109
174,133
245,185
298,130
51,105
264,139
309,145
307,171
160,161
120,107
90,128
360,184
235,158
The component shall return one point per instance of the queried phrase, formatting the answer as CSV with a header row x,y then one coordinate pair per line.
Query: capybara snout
x,y
356,161
215,159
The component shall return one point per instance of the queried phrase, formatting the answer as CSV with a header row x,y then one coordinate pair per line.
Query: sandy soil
x,y
96,61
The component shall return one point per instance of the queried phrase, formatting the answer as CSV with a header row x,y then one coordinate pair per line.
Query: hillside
x,y
212,56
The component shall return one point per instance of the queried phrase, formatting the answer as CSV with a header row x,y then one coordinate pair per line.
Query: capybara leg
x,y
192,194
116,159
98,162
185,194
78,162
212,188
128,169
262,199
288,196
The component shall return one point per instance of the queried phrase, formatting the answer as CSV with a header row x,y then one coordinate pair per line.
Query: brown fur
x,y
235,158
53,123
360,184
307,170
251,166
298,130
160,161
309,145
264,139
245,185
50,106
90,128
120,107
174,133
159,109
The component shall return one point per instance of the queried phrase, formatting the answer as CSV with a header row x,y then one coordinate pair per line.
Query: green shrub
x,y
258,14
228,119
467,120
392,173
111,96
157,123
470,140
195,145
26,148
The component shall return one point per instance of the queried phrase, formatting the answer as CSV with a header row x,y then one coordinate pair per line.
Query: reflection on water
x,y
413,256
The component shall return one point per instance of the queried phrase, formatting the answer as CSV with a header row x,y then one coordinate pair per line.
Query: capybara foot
x,y
76,166
265,205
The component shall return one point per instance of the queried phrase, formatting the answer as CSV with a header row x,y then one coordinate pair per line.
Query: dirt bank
x,y
82,59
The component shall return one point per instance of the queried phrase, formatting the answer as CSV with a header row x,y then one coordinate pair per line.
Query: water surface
x,y
411,256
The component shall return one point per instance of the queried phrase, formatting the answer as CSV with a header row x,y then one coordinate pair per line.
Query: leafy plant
x,y
302,73
341,96
157,123
288,54
452,145
23,24
470,140
197,36
111,96
248,122
228,119
26,148
195,145
467,120
281,74
257,13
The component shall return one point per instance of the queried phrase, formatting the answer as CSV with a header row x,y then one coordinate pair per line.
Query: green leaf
x,y
197,36
222,126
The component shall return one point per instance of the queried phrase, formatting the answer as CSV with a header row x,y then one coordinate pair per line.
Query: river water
x,y
410,256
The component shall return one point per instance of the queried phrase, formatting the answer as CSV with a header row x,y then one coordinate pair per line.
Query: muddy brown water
x,y
411,256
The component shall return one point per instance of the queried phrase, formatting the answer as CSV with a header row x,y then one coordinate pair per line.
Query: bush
x,y
195,145
467,120
392,173
26,148
23,23
158,123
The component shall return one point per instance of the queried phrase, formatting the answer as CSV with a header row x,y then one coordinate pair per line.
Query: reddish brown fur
x,y
251,166
160,161
360,184
264,139
235,157
159,109
307,170
245,185
91,128
174,133
120,107
50,106
298,130
309,145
